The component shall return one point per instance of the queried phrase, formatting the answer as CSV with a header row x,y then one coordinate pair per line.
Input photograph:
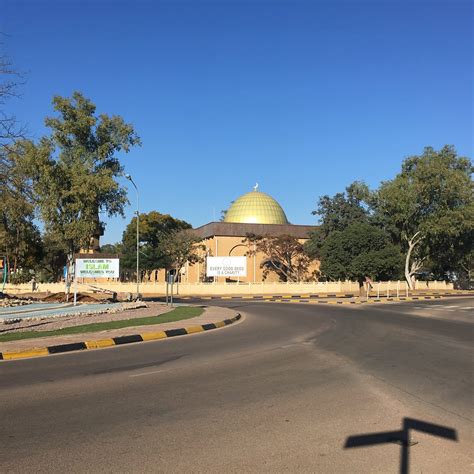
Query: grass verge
x,y
177,314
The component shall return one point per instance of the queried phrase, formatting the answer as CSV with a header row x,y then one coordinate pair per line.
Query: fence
x,y
383,288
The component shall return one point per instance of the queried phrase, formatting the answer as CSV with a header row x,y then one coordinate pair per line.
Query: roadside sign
x,y
97,267
226,266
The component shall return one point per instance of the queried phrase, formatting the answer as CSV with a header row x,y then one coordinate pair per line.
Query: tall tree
x,y
343,209
360,250
336,213
19,236
153,228
430,208
75,169
283,254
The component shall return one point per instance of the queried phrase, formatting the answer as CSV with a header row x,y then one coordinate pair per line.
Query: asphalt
x,y
284,390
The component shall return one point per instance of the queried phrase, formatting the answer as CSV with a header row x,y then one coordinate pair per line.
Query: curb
x,y
375,300
115,341
421,295
266,297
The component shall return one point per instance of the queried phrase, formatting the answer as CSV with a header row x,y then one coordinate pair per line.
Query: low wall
x,y
201,289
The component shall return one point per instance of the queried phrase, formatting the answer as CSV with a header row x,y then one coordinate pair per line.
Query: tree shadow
x,y
402,437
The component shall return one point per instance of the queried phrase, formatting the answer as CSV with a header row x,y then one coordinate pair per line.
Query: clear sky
x,y
302,96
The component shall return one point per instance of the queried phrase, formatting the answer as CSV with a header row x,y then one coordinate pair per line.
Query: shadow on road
x,y
402,437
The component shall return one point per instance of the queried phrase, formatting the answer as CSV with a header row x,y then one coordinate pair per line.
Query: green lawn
x,y
182,312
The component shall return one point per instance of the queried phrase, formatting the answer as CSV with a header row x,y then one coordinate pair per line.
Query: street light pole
x,y
127,176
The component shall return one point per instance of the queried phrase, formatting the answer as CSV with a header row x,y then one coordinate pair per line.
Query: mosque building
x,y
254,213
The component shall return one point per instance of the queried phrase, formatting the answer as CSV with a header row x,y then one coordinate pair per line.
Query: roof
x,y
241,229
256,207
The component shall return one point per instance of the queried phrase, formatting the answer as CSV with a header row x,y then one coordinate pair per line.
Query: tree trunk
x,y
407,268
411,269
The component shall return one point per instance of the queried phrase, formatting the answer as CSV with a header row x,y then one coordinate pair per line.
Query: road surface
x,y
282,391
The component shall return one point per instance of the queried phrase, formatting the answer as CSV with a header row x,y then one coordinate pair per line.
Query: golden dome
x,y
256,207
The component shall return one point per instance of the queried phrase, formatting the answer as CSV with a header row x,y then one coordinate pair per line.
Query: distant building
x,y
253,213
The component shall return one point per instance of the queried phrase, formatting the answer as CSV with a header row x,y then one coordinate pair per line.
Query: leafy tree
x,y
284,255
153,228
338,212
75,169
343,209
360,250
430,209
111,248
179,247
51,265
19,236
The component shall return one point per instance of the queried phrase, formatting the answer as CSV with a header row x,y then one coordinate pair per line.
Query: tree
x,y
284,255
338,212
53,260
10,79
19,236
343,209
111,248
360,250
224,212
179,247
430,209
75,169
153,228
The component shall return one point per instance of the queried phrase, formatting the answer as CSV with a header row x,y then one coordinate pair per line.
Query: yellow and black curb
x,y
115,341
265,297
418,296
370,301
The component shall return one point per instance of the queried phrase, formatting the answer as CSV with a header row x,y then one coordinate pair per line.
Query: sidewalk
x,y
211,315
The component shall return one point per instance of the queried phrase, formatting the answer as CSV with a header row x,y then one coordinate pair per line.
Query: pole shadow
x,y
402,437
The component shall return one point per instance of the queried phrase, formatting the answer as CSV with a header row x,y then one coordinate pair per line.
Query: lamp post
x,y
127,176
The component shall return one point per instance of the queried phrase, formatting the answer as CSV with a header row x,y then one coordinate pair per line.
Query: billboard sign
x,y
226,266
97,267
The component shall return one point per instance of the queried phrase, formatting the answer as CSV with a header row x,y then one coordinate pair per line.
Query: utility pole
x,y
137,213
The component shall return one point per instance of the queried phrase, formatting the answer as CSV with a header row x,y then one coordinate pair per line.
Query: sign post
x,y
3,267
169,282
74,276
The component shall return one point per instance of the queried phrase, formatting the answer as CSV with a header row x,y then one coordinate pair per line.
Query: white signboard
x,y
97,267
226,266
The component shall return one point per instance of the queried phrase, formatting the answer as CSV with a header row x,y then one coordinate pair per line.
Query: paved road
x,y
280,392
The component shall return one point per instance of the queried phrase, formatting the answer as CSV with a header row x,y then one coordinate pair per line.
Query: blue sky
x,y
302,96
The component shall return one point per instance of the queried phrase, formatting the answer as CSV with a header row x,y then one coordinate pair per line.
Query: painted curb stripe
x,y
193,329
127,339
75,346
115,341
99,343
23,354
207,327
153,336
175,332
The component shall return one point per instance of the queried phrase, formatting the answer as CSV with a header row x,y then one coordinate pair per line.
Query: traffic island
x,y
136,331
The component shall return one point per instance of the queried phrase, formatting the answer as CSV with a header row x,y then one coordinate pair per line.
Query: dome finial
x,y
255,188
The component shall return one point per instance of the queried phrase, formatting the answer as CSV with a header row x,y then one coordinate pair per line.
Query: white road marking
x,y
149,373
